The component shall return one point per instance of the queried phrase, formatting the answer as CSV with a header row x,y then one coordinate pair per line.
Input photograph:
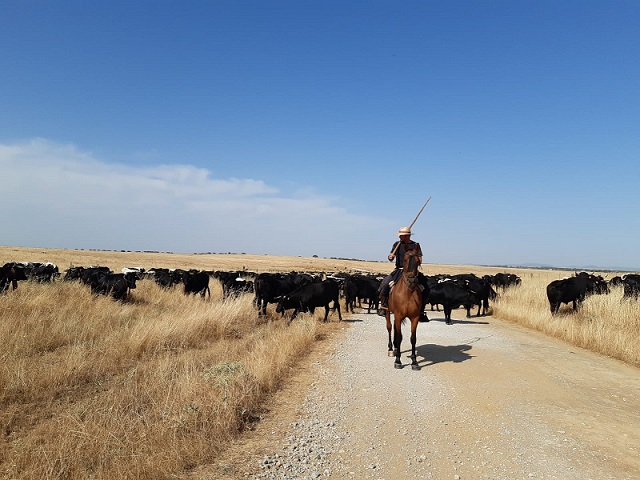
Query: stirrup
x,y
382,311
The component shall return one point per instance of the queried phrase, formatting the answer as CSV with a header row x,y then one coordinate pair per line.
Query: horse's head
x,y
411,262
410,269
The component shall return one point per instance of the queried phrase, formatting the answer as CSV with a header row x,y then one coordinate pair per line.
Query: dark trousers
x,y
384,285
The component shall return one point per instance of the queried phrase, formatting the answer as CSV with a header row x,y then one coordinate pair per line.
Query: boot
x,y
425,298
382,309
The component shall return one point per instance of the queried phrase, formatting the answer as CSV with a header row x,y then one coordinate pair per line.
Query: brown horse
x,y
405,301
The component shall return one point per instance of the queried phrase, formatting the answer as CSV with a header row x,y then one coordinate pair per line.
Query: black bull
x,y
115,284
196,282
10,274
451,295
574,290
309,297
359,287
631,284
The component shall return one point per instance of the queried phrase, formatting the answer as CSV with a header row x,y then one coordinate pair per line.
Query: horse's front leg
x,y
414,328
397,341
390,344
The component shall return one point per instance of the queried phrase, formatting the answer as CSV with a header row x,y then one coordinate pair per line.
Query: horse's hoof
x,y
397,365
415,367
391,354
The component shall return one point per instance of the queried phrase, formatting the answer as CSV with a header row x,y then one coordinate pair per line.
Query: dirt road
x,y
492,401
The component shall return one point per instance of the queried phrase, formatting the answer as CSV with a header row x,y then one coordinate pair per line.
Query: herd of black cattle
x,y
303,292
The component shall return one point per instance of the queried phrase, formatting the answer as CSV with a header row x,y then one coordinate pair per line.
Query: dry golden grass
x,y
156,386
605,324
92,388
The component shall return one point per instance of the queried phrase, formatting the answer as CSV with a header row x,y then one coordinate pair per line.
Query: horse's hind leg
x,y
397,341
414,328
390,344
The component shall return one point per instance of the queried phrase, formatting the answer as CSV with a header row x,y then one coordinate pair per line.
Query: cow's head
x,y
281,301
130,279
285,302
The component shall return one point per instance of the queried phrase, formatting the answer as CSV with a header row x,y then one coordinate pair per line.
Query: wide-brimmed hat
x,y
404,231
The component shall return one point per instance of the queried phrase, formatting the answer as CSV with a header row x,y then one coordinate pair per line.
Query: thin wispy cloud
x,y
58,195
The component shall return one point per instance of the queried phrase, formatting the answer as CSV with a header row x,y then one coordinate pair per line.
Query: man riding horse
x,y
398,250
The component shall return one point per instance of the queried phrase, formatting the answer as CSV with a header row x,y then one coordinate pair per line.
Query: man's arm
x,y
393,249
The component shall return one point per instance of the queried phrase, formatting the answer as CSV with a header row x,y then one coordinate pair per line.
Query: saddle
x,y
392,284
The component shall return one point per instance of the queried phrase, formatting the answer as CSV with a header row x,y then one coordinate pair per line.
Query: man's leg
x,y
383,292
425,297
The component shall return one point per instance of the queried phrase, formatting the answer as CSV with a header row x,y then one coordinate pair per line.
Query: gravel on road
x,y
492,400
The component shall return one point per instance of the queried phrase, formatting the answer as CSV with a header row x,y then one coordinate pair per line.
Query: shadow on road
x,y
461,322
432,354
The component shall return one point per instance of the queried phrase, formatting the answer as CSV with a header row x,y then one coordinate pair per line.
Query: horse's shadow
x,y
461,322
432,354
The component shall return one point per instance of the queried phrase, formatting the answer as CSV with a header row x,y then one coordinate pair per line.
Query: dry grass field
x,y
153,387
607,324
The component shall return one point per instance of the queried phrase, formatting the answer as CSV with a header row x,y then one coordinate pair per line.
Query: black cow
x,y
26,267
117,285
41,272
503,280
10,273
166,278
178,274
73,273
481,291
44,272
574,290
361,288
196,282
616,281
235,283
450,295
269,287
309,297
83,273
162,277
86,274
631,285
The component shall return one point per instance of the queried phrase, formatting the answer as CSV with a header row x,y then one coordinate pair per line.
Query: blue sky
x,y
320,127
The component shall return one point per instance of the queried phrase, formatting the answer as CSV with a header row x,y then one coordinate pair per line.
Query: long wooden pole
x,y
415,219
412,223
